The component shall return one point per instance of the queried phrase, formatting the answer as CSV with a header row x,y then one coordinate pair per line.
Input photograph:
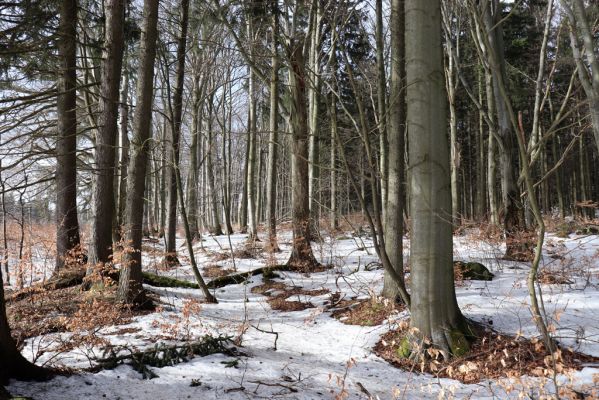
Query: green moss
x,y
405,348
458,344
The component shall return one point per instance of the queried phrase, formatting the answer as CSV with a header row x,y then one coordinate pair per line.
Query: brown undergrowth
x,y
66,310
280,296
367,312
492,356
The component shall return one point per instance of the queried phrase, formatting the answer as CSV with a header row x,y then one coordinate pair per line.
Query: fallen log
x,y
70,278
162,355
244,276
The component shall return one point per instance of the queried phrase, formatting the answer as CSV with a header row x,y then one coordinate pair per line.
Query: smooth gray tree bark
x,y
434,311
171,220
396,159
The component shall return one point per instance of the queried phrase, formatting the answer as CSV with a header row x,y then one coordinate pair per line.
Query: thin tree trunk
x,y
124,161
491,153
334,221
480,155
215,226
382,106
314,111
396,176
171,231
192,188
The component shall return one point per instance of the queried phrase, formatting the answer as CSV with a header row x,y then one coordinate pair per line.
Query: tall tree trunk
x,y
396,175
124,156
314,112
67,225
100,250
215,226
480,154
453,136
171,231
243,200
226,156
381,104
271,178
334,221
512,222
588,72
301,254
252,209
491,152
130,289
434,309
194,157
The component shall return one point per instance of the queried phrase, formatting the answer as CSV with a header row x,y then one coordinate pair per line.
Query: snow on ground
x,y
316,356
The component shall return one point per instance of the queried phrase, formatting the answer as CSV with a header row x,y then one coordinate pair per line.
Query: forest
x,y
299,199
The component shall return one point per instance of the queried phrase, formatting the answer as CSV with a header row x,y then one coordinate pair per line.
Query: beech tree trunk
x,y
171,220
215,228
396,176
301,254
434,309
124,157
512,221
271,179
67,225
381,103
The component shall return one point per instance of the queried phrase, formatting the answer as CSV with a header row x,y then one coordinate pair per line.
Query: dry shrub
x,y
50,310
367,312
491,356
181,326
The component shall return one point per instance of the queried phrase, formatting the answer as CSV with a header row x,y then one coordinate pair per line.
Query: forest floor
x,y
312,336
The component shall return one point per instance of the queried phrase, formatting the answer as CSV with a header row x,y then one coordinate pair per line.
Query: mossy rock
x,y
473,271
